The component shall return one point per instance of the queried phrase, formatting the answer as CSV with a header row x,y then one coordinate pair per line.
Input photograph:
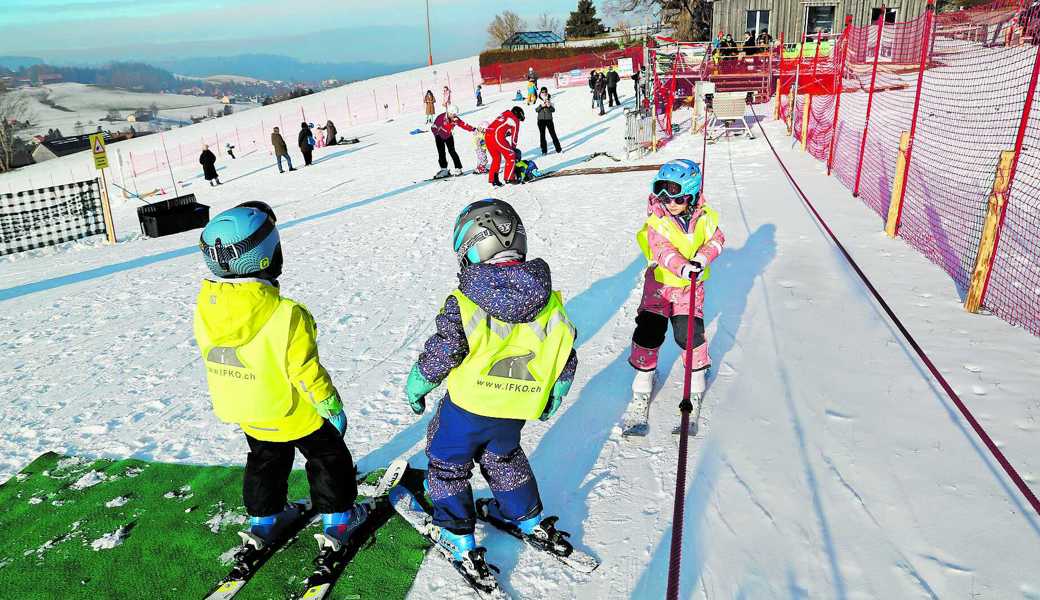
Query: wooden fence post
x,y
870,100
794,88
990,231
893,226
807,108
895,203
998,200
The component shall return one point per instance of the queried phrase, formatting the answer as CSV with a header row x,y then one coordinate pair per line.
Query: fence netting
x,y
973,85
48,216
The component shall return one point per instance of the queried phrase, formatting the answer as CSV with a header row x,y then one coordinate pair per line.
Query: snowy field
x,y
828,465
89,104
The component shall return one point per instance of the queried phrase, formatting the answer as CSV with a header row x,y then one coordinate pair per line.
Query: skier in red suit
x,y
500,137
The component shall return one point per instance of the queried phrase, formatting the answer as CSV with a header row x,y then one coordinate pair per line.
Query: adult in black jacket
x,y
208,160
545,121
306,142
593,76
600,92
612,80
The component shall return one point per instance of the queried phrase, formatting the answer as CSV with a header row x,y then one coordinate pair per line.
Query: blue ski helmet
x,y
680,177
488,229
243,242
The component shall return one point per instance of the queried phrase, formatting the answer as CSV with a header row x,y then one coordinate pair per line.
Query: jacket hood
x,y
233,313
511,293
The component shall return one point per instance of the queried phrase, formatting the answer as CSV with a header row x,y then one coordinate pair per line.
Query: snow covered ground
x,y
88,104
829,464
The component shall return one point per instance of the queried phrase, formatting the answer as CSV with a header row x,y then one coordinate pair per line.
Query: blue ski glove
x,y
560,389
417,388
331,409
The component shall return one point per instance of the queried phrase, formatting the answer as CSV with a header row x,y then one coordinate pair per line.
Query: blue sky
x,y
390,31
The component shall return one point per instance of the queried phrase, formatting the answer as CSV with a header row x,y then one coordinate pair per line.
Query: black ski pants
x,y
308,153
652,327
544,126
612,94
330,473
450,145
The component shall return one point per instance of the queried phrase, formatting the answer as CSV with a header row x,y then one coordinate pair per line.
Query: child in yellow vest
x,y
680,238
261,357
505,347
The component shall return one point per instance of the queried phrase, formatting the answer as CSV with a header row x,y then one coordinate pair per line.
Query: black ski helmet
x,y
488,229
519,112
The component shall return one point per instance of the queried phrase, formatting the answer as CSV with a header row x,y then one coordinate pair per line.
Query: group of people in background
x,y
603,84
725,46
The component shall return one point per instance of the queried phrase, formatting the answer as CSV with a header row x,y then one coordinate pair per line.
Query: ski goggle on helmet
x,y
243,242
678,180
488,230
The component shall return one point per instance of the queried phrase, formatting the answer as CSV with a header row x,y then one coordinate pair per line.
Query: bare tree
x,y
547,22
14,116
503,26
691,19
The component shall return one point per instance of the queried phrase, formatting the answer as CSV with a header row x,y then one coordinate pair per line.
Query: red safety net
x,y
973,85
347,107
548,67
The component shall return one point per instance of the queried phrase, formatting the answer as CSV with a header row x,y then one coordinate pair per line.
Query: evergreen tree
x,y
583,22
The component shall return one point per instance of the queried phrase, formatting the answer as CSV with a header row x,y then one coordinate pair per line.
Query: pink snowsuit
x,y
668,301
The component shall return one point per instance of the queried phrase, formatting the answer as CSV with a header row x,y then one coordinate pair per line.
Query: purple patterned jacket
x,y
511,293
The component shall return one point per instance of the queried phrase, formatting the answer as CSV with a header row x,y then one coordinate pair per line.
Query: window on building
x,y
819,19
757,21
890,15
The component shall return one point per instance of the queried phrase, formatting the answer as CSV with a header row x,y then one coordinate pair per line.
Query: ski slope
x,y
828,465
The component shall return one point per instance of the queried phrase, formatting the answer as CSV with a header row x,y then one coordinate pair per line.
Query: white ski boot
x,y
456,172
636,421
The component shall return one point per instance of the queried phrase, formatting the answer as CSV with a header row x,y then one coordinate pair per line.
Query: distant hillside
x,y
17,62
279,68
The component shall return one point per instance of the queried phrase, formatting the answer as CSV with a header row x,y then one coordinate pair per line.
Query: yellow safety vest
x,y
511,367
249,383
688,244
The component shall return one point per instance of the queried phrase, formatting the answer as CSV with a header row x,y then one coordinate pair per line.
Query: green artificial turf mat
x,y
84,528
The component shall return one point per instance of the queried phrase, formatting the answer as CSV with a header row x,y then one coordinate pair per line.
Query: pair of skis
x,y
475,570
635,423
332,558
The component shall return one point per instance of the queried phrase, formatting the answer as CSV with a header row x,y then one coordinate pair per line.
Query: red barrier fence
x,y
346,107
547,67
933,130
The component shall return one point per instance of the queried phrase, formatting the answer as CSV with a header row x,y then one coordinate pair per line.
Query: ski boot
x,y
496,182
467,558
442,174
636,421
265,531
540,533
338,527
337,531
456,172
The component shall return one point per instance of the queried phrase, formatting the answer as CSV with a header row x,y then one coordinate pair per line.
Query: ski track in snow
x,y
827,464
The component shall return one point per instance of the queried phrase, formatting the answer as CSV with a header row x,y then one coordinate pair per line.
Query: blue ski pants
x,y
457,438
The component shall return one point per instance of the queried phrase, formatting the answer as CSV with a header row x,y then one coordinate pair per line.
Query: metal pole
x,y
429,40
870,101
1022,127
839,79
173,179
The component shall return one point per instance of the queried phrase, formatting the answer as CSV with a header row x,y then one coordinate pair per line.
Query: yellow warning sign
x,y
97,146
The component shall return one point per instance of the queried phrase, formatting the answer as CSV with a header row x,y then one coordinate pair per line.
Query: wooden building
x,y
793,17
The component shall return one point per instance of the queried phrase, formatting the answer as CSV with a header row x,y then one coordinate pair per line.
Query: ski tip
x,y
315,592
